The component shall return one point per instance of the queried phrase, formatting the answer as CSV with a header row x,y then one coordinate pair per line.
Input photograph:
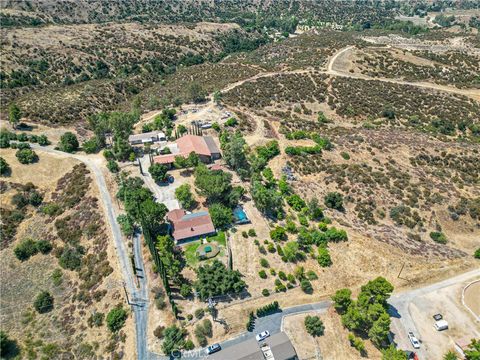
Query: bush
x,y
4,167
264,263
25,249
357,343
311,275
113,166
306,286
345,155
158,332
96,319
268,309
185,290
43,140
44,246
334,200
265,292
476,255
438,237
68,142
116,318
245,234
278,234
282,275
199,313
314,325
252,232
231,122
262,274
71,258
26,156
43,302
323,257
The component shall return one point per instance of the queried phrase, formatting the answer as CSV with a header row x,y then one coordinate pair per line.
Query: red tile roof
x,y
186,226
197,144
165,159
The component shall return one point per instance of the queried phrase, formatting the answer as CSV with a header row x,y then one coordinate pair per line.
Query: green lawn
x,y
220,238
190,253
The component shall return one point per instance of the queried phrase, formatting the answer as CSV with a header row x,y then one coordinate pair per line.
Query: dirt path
x,y
334,69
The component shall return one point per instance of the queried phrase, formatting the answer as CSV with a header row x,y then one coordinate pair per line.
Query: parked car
x,y
213,349
414,340
262,336
437,317
441,325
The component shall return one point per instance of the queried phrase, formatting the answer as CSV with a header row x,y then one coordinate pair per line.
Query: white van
x,y
441,325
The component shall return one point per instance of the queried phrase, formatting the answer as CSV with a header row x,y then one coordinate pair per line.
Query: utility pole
x,y
140,165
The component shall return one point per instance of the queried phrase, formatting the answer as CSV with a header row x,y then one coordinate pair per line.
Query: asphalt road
x,y
140,309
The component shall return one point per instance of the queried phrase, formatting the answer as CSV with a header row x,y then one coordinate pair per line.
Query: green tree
x,y
173,339
8,347
184,195
215,279
380,329
116,318
43,302
4,167
267,200
473,350
126,224
342,300
221,215
158,172
68,142
234,153
14,114
216,186
476,255
391,353
196,93
165,246
450,355
334,200
314,325
377,290
217,97
26,156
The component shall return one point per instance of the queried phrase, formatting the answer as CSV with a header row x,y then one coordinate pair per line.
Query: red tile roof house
x,y
186,227
204,146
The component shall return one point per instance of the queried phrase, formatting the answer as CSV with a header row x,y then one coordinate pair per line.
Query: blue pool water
x,y
239,215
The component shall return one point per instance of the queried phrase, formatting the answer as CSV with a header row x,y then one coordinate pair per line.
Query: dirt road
x,y
334,69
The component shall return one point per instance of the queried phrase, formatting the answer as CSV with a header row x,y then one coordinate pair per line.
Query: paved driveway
x,y
163,193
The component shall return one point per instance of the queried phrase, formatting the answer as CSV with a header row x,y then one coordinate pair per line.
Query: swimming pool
x,y
240,216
